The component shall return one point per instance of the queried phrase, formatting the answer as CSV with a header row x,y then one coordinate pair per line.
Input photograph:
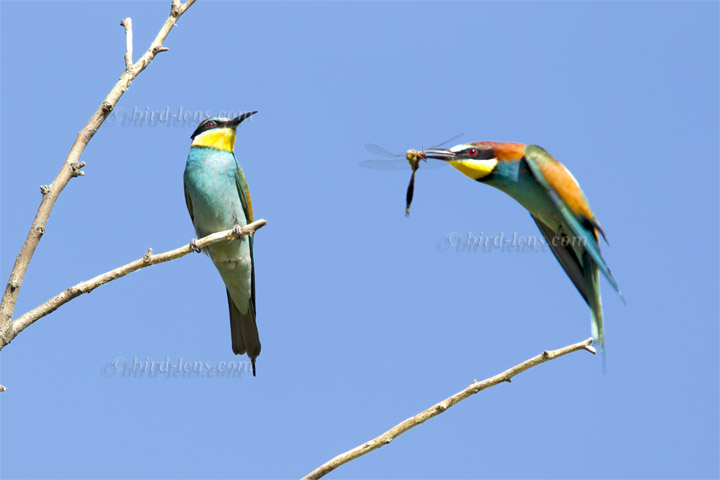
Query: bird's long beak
x,y
445,155
237,120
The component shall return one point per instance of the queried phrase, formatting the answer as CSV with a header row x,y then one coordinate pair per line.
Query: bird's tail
x,y
245,337
592,280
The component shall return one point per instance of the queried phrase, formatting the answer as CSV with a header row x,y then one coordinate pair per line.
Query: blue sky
x,y
363,321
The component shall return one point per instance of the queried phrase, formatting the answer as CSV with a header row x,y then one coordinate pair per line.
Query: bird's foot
x,y
193,245
238,231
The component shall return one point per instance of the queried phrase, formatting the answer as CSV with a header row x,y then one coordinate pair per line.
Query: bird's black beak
x,y
237,120
445,155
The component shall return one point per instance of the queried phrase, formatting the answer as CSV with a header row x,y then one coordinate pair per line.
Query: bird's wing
x,y
553,175
565,255
242,187
564,191
244,194
188,202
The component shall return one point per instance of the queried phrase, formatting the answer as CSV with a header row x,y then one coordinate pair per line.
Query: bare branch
x,y
70,169
2,388
127,23
24,321
439,408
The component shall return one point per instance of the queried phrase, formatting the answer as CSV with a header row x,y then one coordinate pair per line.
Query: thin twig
x,y
24,321
70,169
127,23
439,408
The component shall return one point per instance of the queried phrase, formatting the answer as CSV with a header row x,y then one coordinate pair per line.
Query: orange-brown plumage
x,y
504,151
567,188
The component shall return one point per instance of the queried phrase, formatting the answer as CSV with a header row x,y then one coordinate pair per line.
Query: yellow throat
x,y
219,138
475,169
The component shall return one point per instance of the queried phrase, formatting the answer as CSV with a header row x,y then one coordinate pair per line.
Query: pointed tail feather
x,y
244,332
238,346
592,279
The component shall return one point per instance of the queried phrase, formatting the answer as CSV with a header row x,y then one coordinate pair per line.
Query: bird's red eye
x,y
210,125
472,152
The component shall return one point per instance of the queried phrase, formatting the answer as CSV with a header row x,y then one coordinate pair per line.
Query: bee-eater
x,y
555,201
217,198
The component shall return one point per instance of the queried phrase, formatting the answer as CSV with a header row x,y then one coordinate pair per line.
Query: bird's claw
x,y
237,231
193,245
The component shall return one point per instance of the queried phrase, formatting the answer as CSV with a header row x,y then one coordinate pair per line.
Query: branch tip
x,y
127,23
439,408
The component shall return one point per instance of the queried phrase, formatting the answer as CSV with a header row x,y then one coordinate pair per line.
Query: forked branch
x,y
21,323
72,165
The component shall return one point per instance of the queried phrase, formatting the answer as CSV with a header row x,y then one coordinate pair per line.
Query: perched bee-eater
x,y
555,201
217,198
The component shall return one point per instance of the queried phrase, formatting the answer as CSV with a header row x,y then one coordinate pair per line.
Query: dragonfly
x,y
396,161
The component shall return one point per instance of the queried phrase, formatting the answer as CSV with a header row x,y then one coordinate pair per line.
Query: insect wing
x,y
380,151
387,164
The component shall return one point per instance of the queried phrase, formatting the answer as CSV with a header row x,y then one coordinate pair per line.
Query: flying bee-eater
x,y
217,198
555,201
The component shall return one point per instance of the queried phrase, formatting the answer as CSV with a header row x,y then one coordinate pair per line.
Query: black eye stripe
x,y
205,126
210,124
480,153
